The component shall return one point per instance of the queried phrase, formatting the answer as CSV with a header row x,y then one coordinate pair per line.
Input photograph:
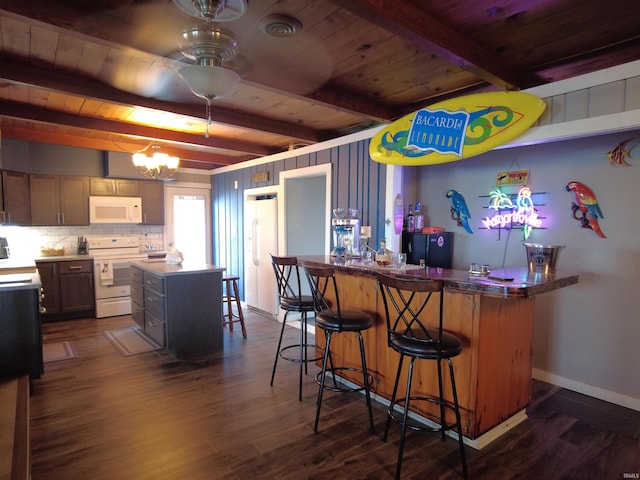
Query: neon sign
x,y
522,212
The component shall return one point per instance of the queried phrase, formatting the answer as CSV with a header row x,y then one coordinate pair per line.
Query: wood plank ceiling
x,y
102,74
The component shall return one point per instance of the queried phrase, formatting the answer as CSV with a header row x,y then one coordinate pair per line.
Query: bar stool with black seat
x,y
332,319
230,297
407,309
292,299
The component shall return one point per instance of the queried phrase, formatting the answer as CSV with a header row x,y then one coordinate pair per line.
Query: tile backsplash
x,y
26,242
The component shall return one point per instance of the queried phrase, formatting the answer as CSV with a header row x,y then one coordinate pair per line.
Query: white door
x,y
187,212
261,240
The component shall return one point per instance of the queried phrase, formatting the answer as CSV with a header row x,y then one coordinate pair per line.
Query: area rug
x,y
54,352
131,341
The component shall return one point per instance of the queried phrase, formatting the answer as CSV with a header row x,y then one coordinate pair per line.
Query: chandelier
x,y
158,165
209,46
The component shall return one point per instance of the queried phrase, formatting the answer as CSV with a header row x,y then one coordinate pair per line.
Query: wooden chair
x,y
405,303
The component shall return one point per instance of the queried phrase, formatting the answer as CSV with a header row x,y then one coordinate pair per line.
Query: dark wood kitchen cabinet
x,y
119,187
59,200
67,287
152,194
15,205
20,331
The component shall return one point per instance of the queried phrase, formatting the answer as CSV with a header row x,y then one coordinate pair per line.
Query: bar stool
x,y
292,300
333,319
229,297
408,334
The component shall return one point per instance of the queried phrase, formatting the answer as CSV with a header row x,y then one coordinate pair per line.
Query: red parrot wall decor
x,y
587,204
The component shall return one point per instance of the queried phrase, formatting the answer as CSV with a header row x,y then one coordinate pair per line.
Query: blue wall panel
x,y
357,182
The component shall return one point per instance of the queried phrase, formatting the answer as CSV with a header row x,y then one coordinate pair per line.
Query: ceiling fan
x,y
209,46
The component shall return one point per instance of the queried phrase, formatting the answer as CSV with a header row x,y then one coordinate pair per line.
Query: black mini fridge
x,y
435,249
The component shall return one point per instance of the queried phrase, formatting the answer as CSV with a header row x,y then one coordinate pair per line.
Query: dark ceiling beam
x,y
402,18
72,84
27,112
331,98
193,158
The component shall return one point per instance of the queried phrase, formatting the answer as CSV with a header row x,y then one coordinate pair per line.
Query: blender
x,y
346,232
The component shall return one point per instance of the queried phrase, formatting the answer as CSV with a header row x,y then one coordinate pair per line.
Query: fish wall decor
x,y
619,154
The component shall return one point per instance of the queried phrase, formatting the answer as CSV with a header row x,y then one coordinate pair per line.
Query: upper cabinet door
x,y
152,194
16,197
59,200
74,200
114,187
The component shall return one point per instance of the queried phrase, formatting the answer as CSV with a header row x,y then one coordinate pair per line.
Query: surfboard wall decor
x,y
456,128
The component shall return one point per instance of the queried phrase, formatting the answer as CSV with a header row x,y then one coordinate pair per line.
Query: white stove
x,y
112,256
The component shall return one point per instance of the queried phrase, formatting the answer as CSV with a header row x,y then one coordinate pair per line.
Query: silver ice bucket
x,y
542,258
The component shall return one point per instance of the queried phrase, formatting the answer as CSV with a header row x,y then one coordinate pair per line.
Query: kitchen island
x,y
20,328
494,319
179,306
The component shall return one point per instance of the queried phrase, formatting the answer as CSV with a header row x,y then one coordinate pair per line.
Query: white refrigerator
x,y
261,240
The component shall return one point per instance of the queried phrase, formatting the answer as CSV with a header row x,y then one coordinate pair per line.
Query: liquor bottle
x,y
419,218
411,220
383,256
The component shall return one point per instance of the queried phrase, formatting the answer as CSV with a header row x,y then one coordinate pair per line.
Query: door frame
x,y
186,189
313,171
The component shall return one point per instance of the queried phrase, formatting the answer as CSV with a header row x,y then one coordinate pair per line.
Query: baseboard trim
x,y
586,389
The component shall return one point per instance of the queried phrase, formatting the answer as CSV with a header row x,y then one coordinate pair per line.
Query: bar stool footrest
x,y
296,359
330,376
397,415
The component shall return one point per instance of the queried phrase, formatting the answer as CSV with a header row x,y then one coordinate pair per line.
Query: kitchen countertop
x,y
19,281
165,269
17,265
64,258
523,285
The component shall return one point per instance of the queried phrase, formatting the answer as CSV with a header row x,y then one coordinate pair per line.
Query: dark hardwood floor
x,y
152,417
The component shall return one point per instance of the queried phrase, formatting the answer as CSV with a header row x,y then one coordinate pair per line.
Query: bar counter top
x,y
523,285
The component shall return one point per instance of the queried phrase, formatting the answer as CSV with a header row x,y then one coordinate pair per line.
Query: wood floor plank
x,y
103,416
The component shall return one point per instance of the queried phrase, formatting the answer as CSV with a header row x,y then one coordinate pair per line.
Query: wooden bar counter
x,y
494,319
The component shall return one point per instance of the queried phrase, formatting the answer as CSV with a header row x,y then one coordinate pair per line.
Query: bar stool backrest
x,y
405,303
288,280
322,282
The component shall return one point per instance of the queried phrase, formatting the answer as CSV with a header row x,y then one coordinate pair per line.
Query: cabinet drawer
x,y
137,293
75,266
154,328
135,275
154,303
137,313
154,282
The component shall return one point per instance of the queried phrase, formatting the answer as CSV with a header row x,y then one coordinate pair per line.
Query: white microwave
x,y
115,210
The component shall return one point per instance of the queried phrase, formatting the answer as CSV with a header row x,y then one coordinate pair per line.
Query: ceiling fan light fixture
x,y
209,82
208,44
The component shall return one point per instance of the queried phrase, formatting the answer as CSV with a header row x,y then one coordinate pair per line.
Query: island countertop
x,y
165,269
523,284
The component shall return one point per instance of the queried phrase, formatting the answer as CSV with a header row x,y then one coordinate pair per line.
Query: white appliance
x,y
115,209
261,240
112,256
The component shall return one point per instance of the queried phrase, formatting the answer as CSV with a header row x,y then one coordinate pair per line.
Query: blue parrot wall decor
x,y
587,204
459,210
